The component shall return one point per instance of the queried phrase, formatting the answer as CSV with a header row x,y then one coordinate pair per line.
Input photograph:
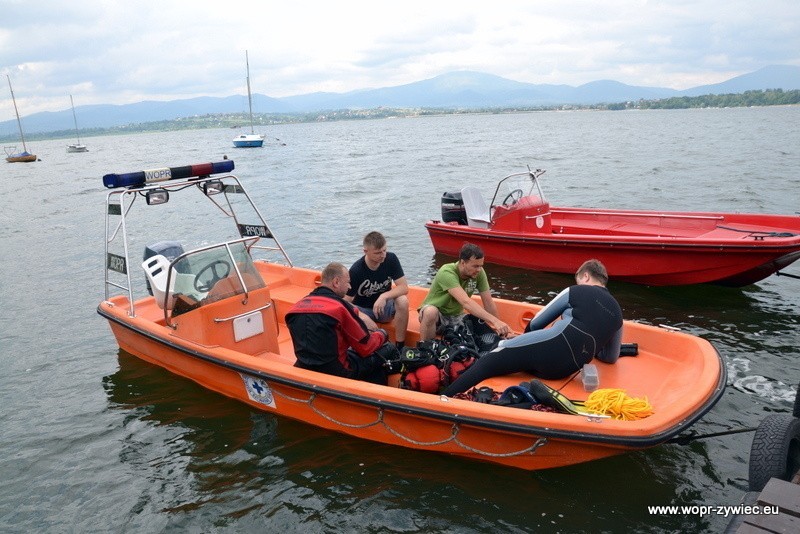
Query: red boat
x,y
519,228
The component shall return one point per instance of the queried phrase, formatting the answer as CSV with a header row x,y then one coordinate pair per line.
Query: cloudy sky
x,y
122,52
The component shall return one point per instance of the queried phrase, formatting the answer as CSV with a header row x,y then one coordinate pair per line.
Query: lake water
x,y
94,440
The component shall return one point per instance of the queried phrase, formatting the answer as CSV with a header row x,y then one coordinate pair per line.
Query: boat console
x,y
518,205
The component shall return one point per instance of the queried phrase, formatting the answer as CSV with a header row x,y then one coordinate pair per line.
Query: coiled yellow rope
x,y
617,404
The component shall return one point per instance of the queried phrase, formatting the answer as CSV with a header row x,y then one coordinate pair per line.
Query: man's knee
x,y
401,303
429,314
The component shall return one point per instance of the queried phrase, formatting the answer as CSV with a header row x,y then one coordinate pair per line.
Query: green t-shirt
x,y
447,278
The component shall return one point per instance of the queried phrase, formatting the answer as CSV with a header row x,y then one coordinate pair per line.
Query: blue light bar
x,y
136,179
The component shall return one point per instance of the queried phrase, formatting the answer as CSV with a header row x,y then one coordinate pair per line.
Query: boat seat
x,y
475,207
156,268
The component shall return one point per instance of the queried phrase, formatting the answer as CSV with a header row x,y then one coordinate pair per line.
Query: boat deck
x,y
713,227
715,232
615,228
666,377
632,374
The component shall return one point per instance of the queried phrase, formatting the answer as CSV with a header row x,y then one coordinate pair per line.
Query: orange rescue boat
x,y
216,316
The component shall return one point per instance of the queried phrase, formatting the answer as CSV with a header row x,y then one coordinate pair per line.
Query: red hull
x,y
667,248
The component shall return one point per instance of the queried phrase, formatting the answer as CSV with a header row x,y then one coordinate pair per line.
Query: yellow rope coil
x,y
617,404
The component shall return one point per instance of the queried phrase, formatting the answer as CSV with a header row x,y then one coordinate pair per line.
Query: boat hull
x,y
21,158
72,149
267,380
706,250
248,141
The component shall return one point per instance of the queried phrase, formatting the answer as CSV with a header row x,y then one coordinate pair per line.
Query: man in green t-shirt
x,y
451,295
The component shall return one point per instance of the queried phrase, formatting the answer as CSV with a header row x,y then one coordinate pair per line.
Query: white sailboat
x,y
76,147
13,156
252,139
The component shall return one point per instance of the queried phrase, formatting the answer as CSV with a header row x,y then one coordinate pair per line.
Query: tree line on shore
x,y
770,97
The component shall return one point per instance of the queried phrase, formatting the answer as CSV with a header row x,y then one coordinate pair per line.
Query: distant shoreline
x,y
757,98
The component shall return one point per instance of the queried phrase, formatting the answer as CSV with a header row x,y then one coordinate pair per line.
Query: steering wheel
x,y
216,267
513,197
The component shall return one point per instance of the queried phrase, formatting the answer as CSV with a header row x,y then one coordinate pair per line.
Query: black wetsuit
x,y
590,326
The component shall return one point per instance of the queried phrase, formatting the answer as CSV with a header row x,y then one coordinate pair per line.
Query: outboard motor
x,y
453,208
168,249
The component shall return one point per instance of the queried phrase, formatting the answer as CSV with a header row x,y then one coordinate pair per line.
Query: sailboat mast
x,y
75,118
249,98
19,122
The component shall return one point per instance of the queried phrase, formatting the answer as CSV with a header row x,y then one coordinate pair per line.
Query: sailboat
x,y
252,139
76,147
18,157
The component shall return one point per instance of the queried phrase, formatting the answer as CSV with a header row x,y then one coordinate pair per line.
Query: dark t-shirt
x,y
367,285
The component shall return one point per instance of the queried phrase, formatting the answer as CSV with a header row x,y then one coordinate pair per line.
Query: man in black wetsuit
x,y
590,327
324,326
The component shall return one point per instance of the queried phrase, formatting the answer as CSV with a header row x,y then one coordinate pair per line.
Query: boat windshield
x,y
213,273
512,188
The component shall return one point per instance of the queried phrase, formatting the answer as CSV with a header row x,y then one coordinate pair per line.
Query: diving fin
x,y
548,396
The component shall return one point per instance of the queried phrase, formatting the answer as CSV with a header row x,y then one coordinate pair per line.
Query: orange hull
x,y
681,375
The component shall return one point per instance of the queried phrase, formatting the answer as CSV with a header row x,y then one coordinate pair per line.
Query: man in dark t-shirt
x,y
378,287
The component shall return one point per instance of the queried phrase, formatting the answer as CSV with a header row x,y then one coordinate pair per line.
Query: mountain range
x,y
454,90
